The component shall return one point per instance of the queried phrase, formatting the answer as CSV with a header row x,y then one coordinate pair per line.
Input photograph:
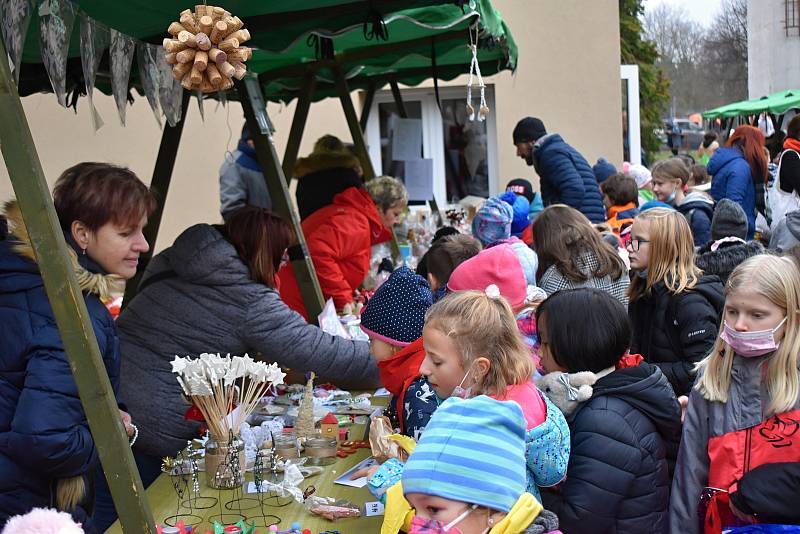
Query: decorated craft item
x,y
329,426
206,49
226,391
330,508
304,424
475,71
14,20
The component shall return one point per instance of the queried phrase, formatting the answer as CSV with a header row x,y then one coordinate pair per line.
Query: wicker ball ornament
x,y
206,50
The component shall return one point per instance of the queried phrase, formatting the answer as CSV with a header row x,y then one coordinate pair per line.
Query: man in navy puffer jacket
x,y
566,176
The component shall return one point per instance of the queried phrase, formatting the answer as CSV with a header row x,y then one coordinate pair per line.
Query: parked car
x,y
688,134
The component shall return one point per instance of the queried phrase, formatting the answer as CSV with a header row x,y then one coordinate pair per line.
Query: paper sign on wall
x,y
419,179
406,139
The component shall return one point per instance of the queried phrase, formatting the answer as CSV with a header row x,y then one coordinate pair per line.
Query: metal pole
x,y
299,123
255,111
159,186
358,140
69,309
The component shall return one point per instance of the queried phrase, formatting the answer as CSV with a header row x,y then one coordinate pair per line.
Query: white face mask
x,y
752,344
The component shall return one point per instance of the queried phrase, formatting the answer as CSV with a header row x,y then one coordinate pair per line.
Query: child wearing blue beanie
x,y
467,474
492,222
521,212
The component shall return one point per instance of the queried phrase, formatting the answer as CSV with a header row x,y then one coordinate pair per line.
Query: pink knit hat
x,y
498,265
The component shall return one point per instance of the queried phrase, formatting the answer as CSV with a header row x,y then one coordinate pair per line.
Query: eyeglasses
x,y
635,244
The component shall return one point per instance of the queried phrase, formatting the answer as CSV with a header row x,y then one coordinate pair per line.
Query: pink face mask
x,y
751,344
420,525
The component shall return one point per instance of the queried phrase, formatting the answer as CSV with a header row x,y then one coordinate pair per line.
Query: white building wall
x,y
773,58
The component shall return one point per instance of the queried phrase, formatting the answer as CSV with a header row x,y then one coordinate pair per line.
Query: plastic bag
x,y
329,322
383,448
780,201
330,508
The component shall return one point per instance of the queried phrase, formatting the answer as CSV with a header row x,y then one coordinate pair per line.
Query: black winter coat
x,y
675,332
772,490
724,260
617,477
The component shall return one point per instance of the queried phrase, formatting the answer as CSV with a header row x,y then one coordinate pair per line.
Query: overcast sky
x,y
700,10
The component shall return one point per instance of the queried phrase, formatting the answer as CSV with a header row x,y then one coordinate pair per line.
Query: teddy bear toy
x,y
566,390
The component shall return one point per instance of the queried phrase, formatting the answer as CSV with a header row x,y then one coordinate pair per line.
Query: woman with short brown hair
x,y
47,454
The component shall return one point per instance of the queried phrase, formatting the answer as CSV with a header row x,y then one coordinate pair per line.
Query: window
x,y
791,22
463,153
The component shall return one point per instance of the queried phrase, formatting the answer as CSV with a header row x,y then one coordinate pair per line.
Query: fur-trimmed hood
x,y
321,161
101,284
724,260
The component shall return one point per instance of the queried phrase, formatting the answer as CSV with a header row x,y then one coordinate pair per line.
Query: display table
x,y
163,500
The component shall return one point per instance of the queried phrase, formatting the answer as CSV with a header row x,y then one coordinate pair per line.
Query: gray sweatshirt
x,y
212,305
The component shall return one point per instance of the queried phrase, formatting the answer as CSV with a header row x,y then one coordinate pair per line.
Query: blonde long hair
x,y
671,254
482,326
778,280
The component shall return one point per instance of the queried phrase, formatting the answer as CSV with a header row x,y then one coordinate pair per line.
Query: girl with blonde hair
x,y
472,348
674,309
745,407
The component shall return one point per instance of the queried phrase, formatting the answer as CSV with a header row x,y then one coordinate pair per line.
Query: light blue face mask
x,y
671,198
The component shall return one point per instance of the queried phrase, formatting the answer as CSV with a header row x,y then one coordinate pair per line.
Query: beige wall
x,y
568,75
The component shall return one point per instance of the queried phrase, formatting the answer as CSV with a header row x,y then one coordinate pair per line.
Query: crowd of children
x,y
576,349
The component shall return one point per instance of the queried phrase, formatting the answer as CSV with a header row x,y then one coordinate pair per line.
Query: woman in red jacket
x,y
340,236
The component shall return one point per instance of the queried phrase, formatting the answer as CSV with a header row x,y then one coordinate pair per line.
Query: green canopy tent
x,y
276,26
776,103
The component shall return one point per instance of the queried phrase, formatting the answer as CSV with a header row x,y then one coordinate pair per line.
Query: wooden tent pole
x,y
369,98
255,113
299,123
159,186
69,309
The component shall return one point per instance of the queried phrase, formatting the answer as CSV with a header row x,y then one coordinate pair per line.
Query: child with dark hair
x,y
617,476
441,233
444,256
621,198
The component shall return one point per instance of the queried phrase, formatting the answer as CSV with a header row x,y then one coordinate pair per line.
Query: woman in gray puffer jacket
x,y
214,290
